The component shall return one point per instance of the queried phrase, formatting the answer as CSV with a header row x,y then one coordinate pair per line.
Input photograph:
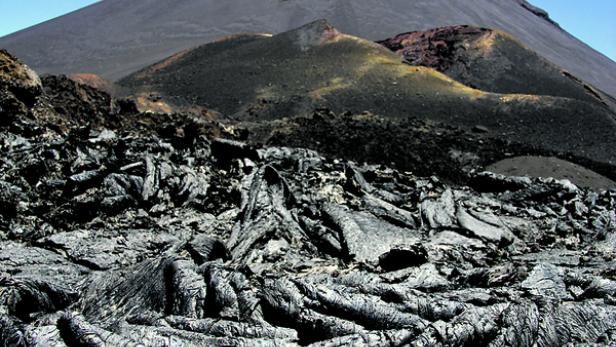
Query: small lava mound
x,y
535,166
94,81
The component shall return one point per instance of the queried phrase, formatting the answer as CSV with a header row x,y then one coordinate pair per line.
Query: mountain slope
x,y
114,37
312,66
489,60
257,78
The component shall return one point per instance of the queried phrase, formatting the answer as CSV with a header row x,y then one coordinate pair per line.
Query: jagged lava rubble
x,y
126,229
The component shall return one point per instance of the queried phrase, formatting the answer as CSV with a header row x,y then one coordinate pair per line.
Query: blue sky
x,y
20,14
592,21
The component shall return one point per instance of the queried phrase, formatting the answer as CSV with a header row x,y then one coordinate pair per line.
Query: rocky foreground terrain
x,y
124,229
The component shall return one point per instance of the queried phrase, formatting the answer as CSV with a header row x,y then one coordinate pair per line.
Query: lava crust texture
x,y
149,232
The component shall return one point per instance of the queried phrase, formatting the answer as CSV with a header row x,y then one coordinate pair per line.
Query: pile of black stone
x,y
150,232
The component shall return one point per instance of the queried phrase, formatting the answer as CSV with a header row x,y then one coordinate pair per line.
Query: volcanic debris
x,y
150,231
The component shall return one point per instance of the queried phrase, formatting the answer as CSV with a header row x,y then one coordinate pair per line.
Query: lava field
x,y
120,228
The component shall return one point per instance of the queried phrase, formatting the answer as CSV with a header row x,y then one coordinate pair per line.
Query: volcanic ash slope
x,y
258,77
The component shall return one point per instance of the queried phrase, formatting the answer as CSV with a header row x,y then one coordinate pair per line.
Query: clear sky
x,y
20,14
592,21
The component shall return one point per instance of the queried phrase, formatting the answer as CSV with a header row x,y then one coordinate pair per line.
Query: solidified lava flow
x,y
127,229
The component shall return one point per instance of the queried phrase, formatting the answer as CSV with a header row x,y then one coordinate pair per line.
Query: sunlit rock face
x,y
19,85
